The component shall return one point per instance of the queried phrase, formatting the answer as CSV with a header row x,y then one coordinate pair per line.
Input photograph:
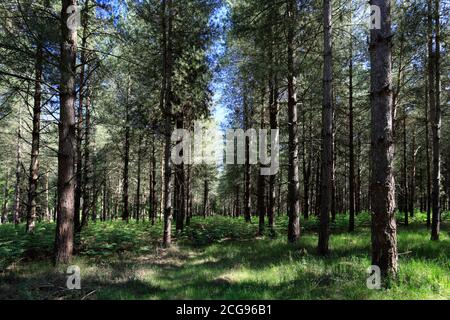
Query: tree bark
x,y
167,92
261,192
88,166
126,160
138,185
327,135
205,198
4,213
35,141
17,187
66,187
382,186
436,133
405,174
412,183
293,183
273,119
351,144
247,167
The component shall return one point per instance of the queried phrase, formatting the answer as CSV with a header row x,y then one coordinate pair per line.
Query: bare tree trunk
x,y
412,184
17,188
104,199
327,134
358,176
79,133
154,199
273,115
205,198
351,144
405,175
66,187
46,200
293,183
179,188
34,164
167,91
247,167
88,166
126,160
427,146
436,133
382,186
261,192
4,213
188,195
138,186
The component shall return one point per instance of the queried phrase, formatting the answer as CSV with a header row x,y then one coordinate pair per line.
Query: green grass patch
x,y
221,258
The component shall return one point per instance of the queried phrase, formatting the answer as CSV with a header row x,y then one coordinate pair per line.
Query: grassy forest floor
x,y
221,258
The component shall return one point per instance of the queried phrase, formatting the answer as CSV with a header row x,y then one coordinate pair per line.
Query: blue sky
x,y
217,50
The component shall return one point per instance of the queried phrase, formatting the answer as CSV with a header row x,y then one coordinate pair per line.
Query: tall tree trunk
x,y
17,187
154,199
179,188
382,186
87,189
66,187
167,91
436,132
188,195
427,148
4,213
92,192
104,199
261,192
79,133
126,160
351,144
205,198
405,172
138,185
273,119
412,184
247,167
293,200
358,176
46,200
327,134
35,141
